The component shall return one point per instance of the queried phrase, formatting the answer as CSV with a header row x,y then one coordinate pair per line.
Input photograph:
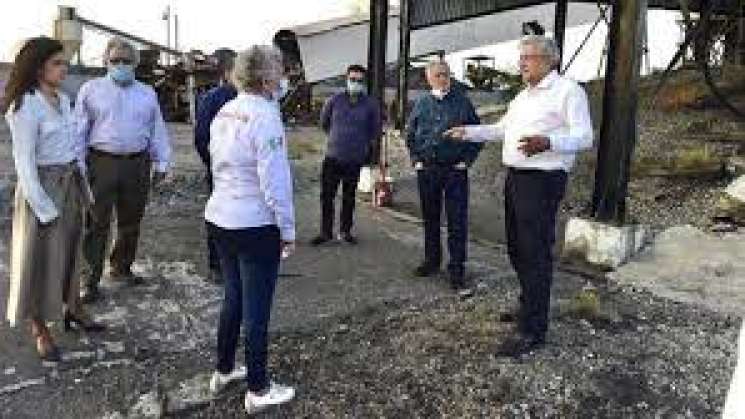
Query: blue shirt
x,y
430,118
207,107
352,126
122,120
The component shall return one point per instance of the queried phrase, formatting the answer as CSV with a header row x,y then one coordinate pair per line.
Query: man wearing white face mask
x,y
352,121
123,136
442,170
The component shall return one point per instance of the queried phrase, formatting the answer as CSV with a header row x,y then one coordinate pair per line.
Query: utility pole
x,y
404,47
175,31
618,133
167,18
376,59
560,26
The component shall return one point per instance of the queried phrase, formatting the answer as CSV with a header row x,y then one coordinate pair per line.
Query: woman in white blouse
x,y
250,215
50,196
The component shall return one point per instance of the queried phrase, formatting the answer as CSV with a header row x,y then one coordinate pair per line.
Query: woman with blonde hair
x,y
251,216
50,196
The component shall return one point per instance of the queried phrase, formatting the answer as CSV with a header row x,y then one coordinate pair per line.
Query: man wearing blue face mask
x,y
122,137
352,121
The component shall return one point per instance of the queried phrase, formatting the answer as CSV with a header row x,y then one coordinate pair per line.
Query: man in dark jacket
x,y
207,107
352,121
442,169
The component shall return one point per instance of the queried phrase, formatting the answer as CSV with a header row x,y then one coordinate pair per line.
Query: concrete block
x,y
368,176
602,244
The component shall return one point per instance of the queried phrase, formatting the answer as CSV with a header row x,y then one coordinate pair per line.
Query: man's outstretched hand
x,y
456,133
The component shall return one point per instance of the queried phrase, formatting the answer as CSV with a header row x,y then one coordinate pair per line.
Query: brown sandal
x,y
45,347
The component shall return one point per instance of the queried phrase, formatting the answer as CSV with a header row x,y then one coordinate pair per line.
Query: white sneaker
x,y
219,381
277,394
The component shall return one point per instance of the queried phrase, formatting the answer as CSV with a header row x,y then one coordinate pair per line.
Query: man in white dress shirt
x,y
120,124
543,129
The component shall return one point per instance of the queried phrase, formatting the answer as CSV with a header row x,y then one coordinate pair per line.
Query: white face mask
x,y
439,93
283,89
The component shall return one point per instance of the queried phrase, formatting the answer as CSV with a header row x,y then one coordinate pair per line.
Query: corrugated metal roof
x,y
425,13
327,25
434,12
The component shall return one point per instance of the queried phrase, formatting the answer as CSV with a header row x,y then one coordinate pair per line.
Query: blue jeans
x,y
436,182
249,260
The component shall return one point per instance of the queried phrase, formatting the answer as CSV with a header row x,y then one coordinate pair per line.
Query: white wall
x,y
328,54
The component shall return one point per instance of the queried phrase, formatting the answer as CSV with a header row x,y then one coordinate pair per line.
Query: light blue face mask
x,y
122,74
355,87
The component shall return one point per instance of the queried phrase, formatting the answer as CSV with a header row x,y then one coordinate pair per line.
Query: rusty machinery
x,y
177,85
714,43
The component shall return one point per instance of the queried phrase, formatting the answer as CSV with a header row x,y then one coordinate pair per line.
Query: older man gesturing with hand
x,y
544,127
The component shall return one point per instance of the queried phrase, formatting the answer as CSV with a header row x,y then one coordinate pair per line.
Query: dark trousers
x,y
334,172
434,183
212,259
250,265
119,183
531,199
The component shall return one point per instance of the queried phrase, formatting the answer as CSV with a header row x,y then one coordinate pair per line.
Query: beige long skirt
x,y
44,268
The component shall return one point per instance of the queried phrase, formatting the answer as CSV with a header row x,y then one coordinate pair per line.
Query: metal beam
x,y
402,96
618,132
560,26
426,13
376,58
137,39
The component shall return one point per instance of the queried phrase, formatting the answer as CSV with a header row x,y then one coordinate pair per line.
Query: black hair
x,y
356,68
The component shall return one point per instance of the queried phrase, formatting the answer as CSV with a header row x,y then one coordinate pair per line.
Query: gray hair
x,y
546,45
432,65
120,43
256,65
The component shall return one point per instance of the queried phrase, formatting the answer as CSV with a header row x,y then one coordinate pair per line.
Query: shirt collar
x,y
547,81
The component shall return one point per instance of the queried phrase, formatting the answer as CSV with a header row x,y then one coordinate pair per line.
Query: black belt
x,y
536,171
120,156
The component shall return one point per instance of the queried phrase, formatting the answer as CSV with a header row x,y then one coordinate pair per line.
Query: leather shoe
x,y
319,240
348,237
89,295
515,346
509,317
214,276
457,281
425,270
126,276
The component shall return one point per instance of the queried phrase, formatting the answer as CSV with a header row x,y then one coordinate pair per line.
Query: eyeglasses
x,y
120,60
526,57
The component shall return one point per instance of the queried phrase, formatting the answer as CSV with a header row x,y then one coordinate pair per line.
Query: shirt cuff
x,y
471,132
287,234
47,216
82,166
161,167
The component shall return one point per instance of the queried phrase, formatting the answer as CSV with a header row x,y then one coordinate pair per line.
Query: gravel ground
x,y
375,343
645,358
